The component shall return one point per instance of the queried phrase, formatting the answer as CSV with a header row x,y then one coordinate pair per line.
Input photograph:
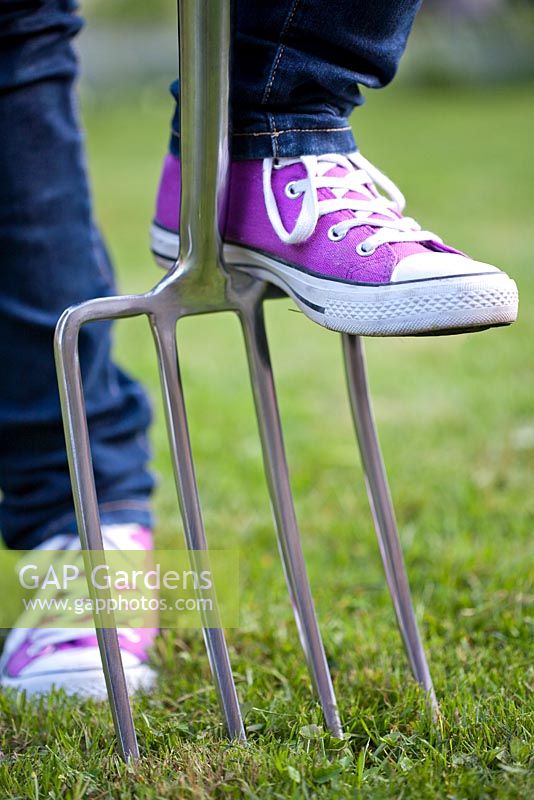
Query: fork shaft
x,y
204,49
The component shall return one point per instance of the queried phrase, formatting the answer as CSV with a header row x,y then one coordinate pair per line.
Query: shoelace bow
x,y
371,208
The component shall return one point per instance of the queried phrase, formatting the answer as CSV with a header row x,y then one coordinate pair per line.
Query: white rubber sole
x,y
86,683
430,306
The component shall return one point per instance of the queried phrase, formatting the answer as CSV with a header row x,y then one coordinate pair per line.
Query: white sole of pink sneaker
x,y
431,306
86,683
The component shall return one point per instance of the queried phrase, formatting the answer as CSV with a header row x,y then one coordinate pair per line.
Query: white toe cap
x,y
422,266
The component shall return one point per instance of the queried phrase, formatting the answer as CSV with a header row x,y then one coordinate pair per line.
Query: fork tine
x,y
383,512
164,331
84,491
253,324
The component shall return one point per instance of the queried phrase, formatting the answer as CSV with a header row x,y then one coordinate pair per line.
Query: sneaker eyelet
x,y
363,249
334,235
290,190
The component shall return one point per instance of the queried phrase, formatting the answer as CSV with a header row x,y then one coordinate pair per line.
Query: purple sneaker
x,y
38,660
317,227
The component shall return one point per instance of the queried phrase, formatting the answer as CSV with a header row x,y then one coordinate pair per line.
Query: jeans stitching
x,y
274,135
272,76
277,133
280,52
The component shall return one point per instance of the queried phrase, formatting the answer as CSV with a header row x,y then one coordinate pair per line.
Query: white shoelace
x,y
360,177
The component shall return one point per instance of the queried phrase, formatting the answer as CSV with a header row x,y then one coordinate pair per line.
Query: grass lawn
x,y
456,418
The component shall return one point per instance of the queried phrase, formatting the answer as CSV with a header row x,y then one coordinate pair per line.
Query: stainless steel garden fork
x,y
200,284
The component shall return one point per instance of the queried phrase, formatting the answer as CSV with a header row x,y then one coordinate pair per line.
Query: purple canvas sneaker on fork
x,y
318,228
39,659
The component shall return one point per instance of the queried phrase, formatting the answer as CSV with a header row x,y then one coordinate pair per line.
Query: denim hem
x,y
283,137
112,513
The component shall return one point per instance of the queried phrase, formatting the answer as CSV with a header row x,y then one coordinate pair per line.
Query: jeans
x,y
296,73
51,256
297,68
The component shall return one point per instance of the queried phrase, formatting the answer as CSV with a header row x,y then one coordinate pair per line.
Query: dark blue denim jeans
x,y
297,69
51,256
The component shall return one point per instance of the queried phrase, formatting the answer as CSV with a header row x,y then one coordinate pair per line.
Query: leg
x,y
307,212
52,256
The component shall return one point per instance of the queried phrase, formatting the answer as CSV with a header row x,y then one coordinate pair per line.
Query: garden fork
x,y
199,284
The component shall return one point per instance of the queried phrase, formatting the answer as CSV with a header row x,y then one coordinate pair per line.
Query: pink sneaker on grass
x,y
40,659
318,228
